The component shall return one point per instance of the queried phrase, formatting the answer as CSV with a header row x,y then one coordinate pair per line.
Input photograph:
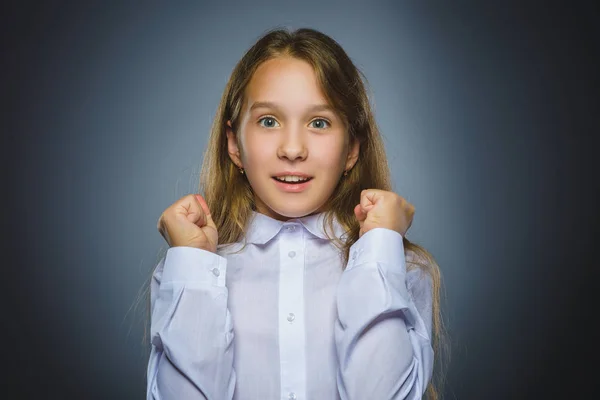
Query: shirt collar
x,y
262,228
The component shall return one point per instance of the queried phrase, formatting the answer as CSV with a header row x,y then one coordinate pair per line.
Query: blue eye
x,y
322,123
271,121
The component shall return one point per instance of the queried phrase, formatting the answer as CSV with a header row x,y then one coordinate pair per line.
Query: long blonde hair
x,y
230,196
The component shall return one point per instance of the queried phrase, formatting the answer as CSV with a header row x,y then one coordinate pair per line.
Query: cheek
x,y
256,150
330,153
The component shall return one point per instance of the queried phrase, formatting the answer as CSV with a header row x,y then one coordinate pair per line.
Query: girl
x,y
292,278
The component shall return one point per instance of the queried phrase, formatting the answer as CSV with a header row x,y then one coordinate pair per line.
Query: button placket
x,y
291,305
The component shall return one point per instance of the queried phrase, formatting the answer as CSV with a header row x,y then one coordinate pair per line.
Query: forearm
x,y
384,351
192,331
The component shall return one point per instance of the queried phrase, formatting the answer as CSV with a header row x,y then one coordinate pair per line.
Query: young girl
x,y
292,278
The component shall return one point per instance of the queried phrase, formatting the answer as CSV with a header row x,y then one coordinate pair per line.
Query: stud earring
x,y
346,173
242,171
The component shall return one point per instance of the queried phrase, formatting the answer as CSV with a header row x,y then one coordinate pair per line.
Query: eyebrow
x,y
270,104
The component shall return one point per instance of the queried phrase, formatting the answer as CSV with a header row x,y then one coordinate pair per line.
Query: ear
x,y
352,154
232,146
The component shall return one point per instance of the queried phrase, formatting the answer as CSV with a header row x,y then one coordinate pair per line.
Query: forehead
x,y
285,80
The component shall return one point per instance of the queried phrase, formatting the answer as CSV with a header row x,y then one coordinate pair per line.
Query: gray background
x,y
489,116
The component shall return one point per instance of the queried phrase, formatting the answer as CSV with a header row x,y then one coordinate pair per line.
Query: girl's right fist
x,y
187,222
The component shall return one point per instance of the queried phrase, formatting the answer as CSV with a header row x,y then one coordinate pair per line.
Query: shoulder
x,y
418,272
417,261
420,284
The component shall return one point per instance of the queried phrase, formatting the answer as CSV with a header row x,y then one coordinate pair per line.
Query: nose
x,y
293,146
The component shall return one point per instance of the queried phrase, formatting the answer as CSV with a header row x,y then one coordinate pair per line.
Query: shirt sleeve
x,y
191,328
383,342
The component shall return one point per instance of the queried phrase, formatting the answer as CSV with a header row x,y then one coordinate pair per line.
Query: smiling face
x,y
287,128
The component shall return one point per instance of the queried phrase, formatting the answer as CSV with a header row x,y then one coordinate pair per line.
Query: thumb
x,y
209,220
360,213
361,216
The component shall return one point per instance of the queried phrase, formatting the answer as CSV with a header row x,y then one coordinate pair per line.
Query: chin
x,y
290,212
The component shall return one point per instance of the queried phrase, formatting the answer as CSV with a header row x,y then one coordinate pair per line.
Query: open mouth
x,y
294,181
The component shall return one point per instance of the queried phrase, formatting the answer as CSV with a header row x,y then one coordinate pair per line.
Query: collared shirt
x,y
282,319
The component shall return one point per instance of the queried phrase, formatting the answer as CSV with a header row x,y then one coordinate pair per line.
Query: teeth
x,y
290,178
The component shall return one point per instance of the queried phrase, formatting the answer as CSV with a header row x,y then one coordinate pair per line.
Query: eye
x,y
270,122
321,123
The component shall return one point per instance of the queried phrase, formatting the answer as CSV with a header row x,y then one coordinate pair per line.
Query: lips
x,y
293,182
293,187
292,173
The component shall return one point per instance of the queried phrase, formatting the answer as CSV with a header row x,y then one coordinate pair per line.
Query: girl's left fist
x,y
383,209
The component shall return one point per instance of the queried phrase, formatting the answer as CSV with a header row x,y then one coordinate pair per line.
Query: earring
x,y
346,173
242,171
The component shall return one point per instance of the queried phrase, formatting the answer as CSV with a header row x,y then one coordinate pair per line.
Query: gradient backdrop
x,y
489,116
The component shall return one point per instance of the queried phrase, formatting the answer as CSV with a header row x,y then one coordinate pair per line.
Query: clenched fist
x,y
187,222
383,209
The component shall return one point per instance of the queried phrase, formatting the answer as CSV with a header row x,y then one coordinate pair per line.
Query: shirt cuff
x,y
191,264
380,246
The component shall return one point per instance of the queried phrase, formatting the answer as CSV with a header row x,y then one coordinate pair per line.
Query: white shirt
x,y
282,320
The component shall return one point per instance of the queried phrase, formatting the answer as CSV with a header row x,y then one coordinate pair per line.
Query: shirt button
x,y
292,396
291,228
291,317
292,254
216,272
